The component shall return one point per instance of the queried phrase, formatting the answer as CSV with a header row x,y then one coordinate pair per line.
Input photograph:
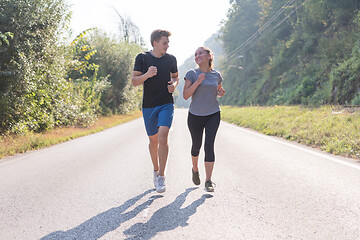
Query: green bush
x,y
33,66
36,93
115,59
345,77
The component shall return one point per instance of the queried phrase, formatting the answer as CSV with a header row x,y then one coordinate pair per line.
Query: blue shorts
x,y
158,116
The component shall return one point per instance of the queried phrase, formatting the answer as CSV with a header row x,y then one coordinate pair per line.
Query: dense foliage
x,y
115,59
34,93
105,57
46,82
292,52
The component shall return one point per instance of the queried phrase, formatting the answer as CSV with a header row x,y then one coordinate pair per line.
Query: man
x,y
157,72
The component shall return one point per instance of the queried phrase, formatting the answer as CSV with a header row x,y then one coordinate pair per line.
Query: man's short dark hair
x,y
157,34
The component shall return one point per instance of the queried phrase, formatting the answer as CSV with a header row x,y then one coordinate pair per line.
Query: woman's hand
x,y
221,92
201,78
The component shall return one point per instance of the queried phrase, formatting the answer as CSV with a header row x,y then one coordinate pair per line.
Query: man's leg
x,y
165,118
163,149
150,120
153,148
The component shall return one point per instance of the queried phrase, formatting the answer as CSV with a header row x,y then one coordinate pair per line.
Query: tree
x,y
115,59
128,31
32,67
35,94
295,52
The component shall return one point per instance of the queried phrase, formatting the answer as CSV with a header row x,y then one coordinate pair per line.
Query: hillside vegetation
x,y
288,52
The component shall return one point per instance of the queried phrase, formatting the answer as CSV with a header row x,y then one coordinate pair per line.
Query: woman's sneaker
x,y
195,177
160,184
209,186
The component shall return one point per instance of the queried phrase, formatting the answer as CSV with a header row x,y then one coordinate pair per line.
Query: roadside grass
x,y
333,130
11,145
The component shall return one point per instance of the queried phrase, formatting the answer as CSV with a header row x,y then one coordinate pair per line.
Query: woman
x,y
203,85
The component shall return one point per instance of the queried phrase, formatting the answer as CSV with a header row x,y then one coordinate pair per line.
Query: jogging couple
x,y
157,72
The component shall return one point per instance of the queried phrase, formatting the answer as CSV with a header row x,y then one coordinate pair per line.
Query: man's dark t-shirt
x,y
155,91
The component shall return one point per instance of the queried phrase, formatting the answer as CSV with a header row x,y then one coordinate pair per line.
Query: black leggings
x,y
196,126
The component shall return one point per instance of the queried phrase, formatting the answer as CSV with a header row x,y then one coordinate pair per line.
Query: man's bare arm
x,y
174,82
138,78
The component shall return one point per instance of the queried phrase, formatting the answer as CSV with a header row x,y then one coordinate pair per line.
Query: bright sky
x,y
191,22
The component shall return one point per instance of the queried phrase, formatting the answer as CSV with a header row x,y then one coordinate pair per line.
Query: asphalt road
x,y
100,187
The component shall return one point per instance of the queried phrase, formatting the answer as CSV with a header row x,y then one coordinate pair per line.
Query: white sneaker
x,y
154,178
160,184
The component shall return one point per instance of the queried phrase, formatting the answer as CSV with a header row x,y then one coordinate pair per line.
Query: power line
x,y
283,20
262,29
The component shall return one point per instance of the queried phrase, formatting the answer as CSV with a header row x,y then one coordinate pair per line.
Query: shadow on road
x,y
105,222
164,219
167,218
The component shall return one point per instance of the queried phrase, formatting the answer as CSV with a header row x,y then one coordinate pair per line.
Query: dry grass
x,y
11,145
